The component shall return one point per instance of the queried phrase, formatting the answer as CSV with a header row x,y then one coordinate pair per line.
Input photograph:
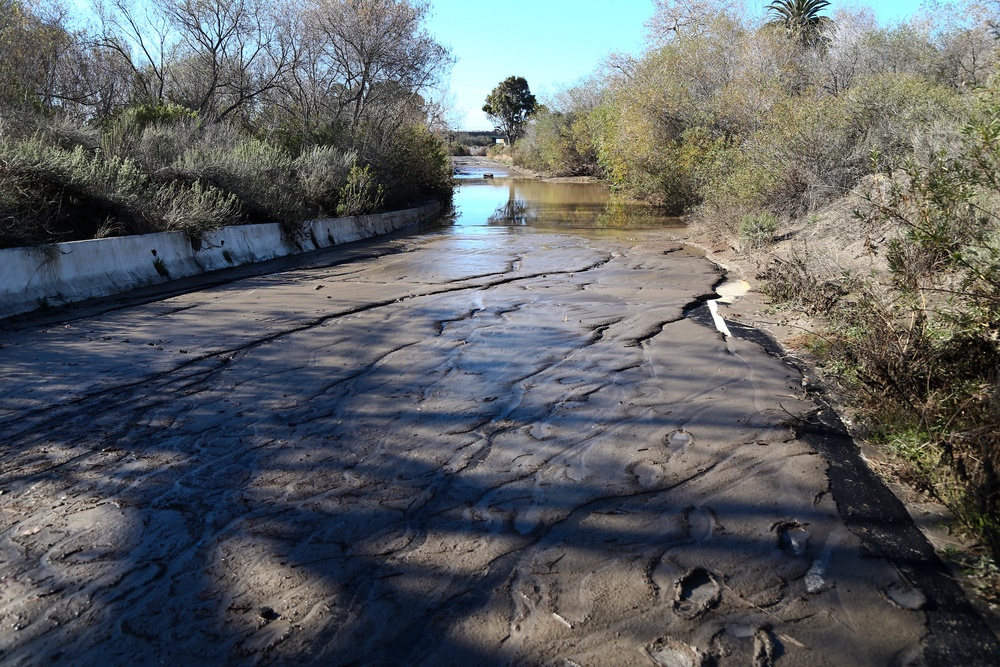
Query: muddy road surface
x,y
498,441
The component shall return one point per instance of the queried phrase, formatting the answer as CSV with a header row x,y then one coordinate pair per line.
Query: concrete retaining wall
x,y
67,272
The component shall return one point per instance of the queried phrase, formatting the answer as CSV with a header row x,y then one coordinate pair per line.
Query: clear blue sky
x,y
552,43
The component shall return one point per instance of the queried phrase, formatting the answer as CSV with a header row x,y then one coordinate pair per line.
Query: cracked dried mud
x,y
486,445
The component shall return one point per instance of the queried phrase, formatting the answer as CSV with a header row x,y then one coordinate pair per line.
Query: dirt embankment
x,y
830,245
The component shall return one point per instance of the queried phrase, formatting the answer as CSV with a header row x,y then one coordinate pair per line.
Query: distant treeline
x,y
191,114
750,125
472,142
727,114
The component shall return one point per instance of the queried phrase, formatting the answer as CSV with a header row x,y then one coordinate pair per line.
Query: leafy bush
x,y
547,145
153,135
758,230
260,174
923,349
195,208
412,167
49,192
361,193
322,173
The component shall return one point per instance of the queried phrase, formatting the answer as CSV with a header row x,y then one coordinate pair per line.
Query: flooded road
x,y
494,441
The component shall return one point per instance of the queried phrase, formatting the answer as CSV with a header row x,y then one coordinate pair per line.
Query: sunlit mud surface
x,y
502,444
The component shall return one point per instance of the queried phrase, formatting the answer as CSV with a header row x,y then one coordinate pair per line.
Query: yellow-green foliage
x,y
361,193
559,143
729,117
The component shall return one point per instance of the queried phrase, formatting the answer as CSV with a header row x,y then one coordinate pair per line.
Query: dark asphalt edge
x,y
956,633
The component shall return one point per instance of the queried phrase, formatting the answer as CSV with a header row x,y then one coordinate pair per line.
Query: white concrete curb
x,y
61,273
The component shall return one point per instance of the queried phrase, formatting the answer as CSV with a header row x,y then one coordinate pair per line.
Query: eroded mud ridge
x,y
507,449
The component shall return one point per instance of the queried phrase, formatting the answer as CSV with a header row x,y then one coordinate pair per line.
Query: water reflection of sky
x,y
504,203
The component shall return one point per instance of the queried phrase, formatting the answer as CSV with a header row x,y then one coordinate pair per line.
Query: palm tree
x,y
800,18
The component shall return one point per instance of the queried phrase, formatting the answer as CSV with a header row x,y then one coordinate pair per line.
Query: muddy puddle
x,y
499,442
495,198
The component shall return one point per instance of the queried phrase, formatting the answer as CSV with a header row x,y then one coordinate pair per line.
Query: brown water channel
x,y
505,201
497,440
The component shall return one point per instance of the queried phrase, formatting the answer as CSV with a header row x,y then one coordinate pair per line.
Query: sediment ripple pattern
x,y
512,450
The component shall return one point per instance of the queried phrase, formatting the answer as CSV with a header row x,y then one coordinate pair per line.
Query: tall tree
x,y
800,18
509,107
675,17
32,39
217,57
231,53
379,55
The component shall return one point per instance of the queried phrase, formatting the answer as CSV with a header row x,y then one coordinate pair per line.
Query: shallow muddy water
x,y
495,441
506,201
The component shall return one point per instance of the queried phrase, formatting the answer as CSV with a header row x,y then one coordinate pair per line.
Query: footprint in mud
x,y
700,523
645,474
678,441
793,538
696,592
527,594
663,575
745,644
668,652
765,649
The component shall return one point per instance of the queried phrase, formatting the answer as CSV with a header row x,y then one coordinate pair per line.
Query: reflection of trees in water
x,y
511,212
625,215
521,208
613,215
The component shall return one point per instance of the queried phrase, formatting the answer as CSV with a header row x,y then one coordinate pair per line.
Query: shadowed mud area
x,y
496,446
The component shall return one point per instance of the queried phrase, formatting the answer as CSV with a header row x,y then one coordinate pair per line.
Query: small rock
x,y
905,596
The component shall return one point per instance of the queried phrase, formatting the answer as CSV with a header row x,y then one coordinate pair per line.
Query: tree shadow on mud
x,y
443,484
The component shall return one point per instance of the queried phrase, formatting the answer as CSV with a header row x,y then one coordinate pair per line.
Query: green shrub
x,y
758,230
133,131
194,208
361,194
260,174
322,173
158,147
413,166
924,347
51,193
